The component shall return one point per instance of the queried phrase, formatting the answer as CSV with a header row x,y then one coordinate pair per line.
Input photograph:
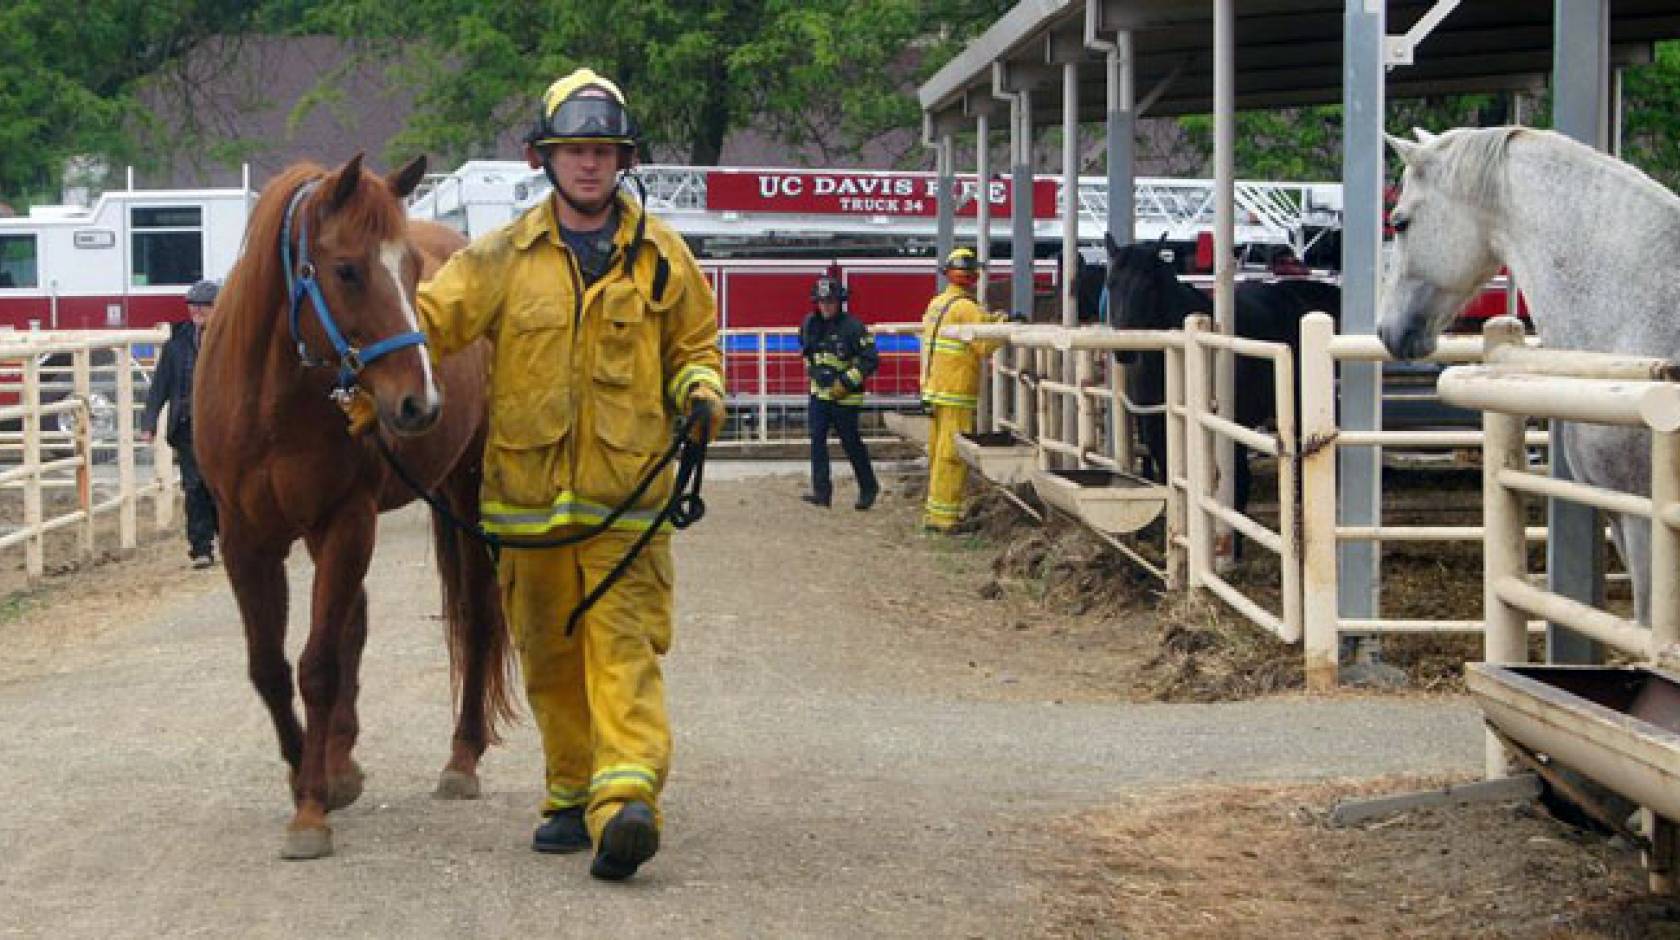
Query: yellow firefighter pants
x,y
598,696
947,474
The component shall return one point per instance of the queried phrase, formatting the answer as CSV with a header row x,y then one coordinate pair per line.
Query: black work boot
x,y
629,839
815,499
562,833
866,499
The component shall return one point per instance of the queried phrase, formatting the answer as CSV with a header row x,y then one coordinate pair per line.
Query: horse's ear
x,y
345,181
1405,149
1110,245
1423,137
406,179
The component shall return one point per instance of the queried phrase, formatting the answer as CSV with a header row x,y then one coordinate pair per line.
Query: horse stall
x,y
1619,727
1087,481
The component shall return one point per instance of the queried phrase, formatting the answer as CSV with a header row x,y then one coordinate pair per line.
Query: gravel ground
x,y
838,772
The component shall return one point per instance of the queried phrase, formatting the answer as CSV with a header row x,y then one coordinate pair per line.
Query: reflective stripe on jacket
x,y
839,350
584,383
952,372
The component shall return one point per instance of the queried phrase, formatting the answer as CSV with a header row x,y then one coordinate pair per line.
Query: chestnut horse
x,y
322,301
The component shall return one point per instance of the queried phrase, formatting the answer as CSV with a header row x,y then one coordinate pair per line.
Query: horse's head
x,y
1442,249
368,273
1140,286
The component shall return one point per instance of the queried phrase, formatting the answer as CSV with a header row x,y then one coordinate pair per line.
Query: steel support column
x,y
1224,241
1360,468
1021,206
1580,109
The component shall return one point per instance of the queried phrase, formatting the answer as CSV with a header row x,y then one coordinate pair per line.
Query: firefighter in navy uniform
x,y
839,355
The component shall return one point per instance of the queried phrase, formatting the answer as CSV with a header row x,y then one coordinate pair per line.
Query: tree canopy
x,y
830,74
70,75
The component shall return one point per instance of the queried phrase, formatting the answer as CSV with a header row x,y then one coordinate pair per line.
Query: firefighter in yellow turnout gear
x,y
603,330
951,385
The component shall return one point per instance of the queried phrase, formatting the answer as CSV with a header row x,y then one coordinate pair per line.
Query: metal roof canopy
x,y
1168,57
1287,53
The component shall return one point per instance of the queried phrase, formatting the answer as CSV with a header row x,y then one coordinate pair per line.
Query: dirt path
x,y
865,747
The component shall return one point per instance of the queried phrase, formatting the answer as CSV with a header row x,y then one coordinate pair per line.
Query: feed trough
x,y
1619,726
998,456
1106,500
913,428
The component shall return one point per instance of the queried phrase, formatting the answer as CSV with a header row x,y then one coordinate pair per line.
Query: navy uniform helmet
x,y
829,287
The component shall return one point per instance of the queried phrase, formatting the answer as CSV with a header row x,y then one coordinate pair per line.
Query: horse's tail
x,y
480,654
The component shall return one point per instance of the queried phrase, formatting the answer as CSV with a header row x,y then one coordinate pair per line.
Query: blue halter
x,y
303,283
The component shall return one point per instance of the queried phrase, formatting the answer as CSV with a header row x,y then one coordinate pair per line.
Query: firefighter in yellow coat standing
x,y
951,385
603,330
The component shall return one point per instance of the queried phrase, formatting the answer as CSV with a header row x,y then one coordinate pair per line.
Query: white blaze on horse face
x,y
391,255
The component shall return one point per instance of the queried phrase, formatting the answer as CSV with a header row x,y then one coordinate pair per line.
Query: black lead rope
x,y
683,509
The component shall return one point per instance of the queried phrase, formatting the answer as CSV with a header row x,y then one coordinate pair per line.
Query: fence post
x,y
764,387
1321,632
1023,396
1289,505
1043,425
1665,542
1504,549
82,383
35,546
999,391
1174,462
127,520
1119,419
1087,412
1197,449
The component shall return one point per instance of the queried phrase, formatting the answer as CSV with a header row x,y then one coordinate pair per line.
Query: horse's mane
x,y
256,289
1472,162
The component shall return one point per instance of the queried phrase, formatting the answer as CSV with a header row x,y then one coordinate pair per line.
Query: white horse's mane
x,y
1470,163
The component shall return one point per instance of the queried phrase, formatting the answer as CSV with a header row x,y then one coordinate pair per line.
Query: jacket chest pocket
x,y
627,352
536,343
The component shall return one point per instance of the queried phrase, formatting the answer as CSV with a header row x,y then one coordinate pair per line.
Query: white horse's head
x,y
1442,247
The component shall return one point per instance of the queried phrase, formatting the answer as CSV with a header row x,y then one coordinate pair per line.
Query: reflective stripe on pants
x,y
947,474
598,696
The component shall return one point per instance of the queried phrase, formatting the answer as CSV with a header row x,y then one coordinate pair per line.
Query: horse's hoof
x,y
307,843
345,788
455,785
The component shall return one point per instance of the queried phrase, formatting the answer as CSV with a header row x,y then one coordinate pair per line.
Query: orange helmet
x,y
962,267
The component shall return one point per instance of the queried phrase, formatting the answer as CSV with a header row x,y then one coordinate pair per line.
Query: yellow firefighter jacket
x,y
951,372
584,383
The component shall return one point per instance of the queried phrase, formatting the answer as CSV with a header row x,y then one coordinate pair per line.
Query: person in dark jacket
x,y
172,383
839,355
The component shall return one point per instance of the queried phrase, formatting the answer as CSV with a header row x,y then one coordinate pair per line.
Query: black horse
x,y
1144,293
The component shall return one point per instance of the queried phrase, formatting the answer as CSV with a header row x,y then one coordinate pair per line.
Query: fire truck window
x,y
18,261
168,245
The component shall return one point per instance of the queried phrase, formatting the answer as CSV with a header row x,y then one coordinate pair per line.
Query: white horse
x,y
1594,244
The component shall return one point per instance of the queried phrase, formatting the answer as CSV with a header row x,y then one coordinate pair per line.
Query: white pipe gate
x,y
1578,387
37,469
1194,425
1306,540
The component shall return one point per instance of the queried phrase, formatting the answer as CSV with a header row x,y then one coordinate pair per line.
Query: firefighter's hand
x,y
360,412
839,390
706,412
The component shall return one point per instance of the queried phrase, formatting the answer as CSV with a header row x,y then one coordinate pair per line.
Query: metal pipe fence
x,y
68,405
